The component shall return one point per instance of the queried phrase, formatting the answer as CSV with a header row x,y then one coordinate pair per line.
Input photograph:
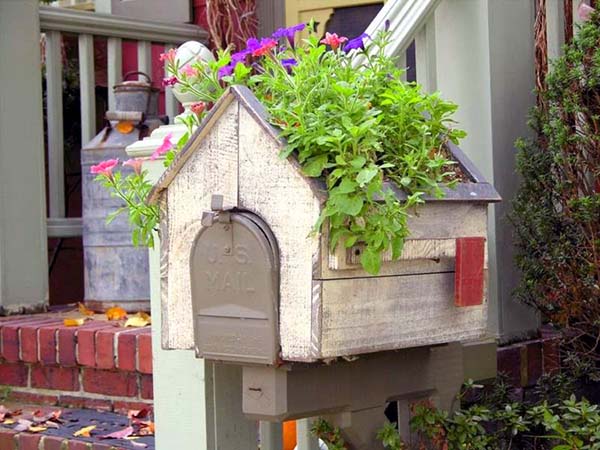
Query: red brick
x,y
10,337
55,377
29,441
52,443
86,343
551,355
535,362
105,348
109,382
32,397
47,344
66,346
101,446
145,353
127,349
13,374
146,387
71,401
7,440
121,407
79,445
28,337
509,363
469,274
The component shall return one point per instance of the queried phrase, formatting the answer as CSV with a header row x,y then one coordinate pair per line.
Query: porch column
x,y
485,63
23,246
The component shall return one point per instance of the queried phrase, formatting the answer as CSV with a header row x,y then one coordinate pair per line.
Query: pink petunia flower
x,y
198,107
135,164
166,145
585,11
333,40
266,44
168,56
189,70
104,168
172,81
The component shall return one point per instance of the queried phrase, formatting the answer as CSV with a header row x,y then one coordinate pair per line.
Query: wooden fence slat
x,y
144,58
87,87
54,100
114,68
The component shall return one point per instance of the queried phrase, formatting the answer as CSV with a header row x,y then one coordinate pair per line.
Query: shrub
x,y
557,210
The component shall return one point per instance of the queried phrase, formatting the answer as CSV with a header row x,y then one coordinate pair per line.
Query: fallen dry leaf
x,y
84,310
68,322
85,431
146,428
138,413
140,319
138,444
23,425
121,434
116,313
37,429
8,421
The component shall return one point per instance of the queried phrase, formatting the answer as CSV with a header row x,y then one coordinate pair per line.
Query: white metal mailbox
x,y
314,303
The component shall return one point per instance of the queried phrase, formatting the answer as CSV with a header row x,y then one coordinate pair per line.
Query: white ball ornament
x,y
188,53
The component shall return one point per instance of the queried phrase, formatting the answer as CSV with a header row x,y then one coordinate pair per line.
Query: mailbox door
x,y
235,290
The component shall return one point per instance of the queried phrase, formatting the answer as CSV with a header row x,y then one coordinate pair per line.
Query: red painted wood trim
x,y
468,281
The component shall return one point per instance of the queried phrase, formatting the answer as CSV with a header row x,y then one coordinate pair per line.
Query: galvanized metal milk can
x,y
116,272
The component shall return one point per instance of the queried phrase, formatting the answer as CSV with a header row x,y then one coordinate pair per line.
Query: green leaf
x,y
366,175
358,162
347,186
314,166
349,205
371,261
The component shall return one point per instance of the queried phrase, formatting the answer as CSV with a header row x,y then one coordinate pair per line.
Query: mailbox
x,y
244,278
235,288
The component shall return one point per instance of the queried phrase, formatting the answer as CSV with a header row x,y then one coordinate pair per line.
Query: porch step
x,y
99,365
62,438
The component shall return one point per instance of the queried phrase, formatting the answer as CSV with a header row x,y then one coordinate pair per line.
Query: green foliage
x,y
133,189
557,209
354,127
328,434
390,437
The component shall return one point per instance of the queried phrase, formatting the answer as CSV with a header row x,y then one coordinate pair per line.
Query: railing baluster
x,y
425,56
87,87
54,100
171,104
555,31
114,68
144,57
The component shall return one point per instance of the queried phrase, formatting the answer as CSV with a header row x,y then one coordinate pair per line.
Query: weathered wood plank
x,y
409,311
56,156
86,87
114,68
212,168
275,190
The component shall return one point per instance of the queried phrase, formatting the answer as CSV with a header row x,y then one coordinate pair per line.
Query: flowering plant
x,y
353,126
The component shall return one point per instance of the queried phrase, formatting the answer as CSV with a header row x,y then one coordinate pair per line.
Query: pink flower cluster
x,y
104,168
168,56
333,40
166,145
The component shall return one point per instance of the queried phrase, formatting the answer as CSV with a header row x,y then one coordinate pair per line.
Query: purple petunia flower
x,y
225,70
239,56
356,43
289,63
252,44
289,33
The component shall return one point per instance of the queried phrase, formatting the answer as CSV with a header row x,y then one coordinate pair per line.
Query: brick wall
x,y
97,365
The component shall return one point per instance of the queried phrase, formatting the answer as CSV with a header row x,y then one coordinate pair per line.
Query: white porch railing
x,y
54,22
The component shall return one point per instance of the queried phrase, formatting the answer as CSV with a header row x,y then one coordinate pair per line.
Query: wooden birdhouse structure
x,y
245,279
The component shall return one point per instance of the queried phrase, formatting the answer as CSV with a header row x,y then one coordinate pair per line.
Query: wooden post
x,y
306,440
87,88
23,246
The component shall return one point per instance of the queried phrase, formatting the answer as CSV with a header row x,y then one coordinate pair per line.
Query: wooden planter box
x,y
299,301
